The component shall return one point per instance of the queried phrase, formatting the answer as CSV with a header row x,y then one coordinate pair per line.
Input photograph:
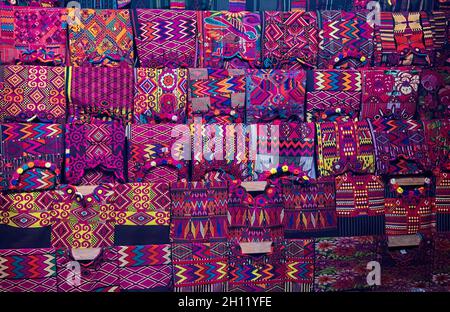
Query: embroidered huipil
x,y
30,156
32,93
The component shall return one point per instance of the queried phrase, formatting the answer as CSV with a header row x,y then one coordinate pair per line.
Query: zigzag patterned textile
x,y
443,202
340,262
299,265
309,208
200,267
290,40
230,40
345,40
97,146
255,216
275,94
434,99
98,275
105,93
441,260
83,221
166,38
100,38
295,147
145,267
150,149
437,137
360,204
141,204
199,212
390,93
407,270
344,146
258,273
32,92
403,38
412,211
161,95
217,95
220,153
400,146
34,36
31,156
28,270
333,95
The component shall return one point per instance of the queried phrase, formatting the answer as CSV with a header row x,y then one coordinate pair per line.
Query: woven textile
x,y
145,267
360,204
33,36
97,275
150,149
275,94
161,95
230,40
403,39
97,147
441,261
434,99
166,38
32,92
344,146
97,4
309,208
31,156
217,95
400,146
411,211
390,93
33,3
105,93
100,38
199,212
333,95
345,40
340,262
82,221
407,269
220,153
200,267
299,265
437,137
443,202
290,39
255,216
28,270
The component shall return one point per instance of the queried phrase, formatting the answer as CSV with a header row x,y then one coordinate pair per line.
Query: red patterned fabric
x,y
443,202
434,100
437,137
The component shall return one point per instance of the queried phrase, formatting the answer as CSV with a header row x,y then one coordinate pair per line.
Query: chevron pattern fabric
x,y
400,146
200,267
230,40
149,154
96,145
443,202
32,92
309,208
31,156
334,95
345,40
275,94
33,36
390,93
341,262
344,146
217,95
100,38
299,265
437,137
290,40
199,212
410,213
167,38
104,93
160,95
434,98
28,270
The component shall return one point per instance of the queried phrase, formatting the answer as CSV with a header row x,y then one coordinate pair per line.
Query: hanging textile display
x,y
443,202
